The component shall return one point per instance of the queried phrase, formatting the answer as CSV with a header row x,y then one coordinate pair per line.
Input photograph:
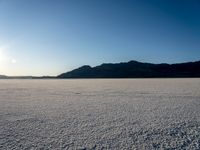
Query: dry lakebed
x,y
100,114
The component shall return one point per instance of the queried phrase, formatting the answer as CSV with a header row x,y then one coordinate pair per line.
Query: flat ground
x,y
100,114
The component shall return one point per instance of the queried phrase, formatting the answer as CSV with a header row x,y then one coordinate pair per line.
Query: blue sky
x,y
48,37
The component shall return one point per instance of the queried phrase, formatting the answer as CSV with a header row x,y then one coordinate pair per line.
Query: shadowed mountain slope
x,y
134,69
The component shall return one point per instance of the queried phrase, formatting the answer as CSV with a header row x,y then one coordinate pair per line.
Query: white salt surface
x,y
100,114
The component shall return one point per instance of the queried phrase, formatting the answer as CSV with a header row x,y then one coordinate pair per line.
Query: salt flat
x,y
100,114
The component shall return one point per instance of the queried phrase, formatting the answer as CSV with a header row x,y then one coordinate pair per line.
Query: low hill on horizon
x,y
3,77
26,77
135,69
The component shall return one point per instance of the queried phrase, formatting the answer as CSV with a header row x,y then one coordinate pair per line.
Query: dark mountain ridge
x,y
135,69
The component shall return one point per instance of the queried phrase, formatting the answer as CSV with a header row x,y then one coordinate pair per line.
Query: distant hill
x,y
3,77
135,69
26,77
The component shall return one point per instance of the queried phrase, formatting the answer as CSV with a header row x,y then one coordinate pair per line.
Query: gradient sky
x,y
48,37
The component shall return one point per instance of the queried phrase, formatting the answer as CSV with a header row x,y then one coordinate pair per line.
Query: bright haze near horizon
x,y
48,37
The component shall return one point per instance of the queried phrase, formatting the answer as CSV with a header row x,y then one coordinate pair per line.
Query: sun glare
x,y
3,54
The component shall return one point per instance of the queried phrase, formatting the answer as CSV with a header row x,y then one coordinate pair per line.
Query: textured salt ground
x,y
100,114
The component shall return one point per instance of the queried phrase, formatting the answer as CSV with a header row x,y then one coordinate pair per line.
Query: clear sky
x,y
48,37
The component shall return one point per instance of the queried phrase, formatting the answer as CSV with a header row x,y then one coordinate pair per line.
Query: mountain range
x,y
135,69
131,69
